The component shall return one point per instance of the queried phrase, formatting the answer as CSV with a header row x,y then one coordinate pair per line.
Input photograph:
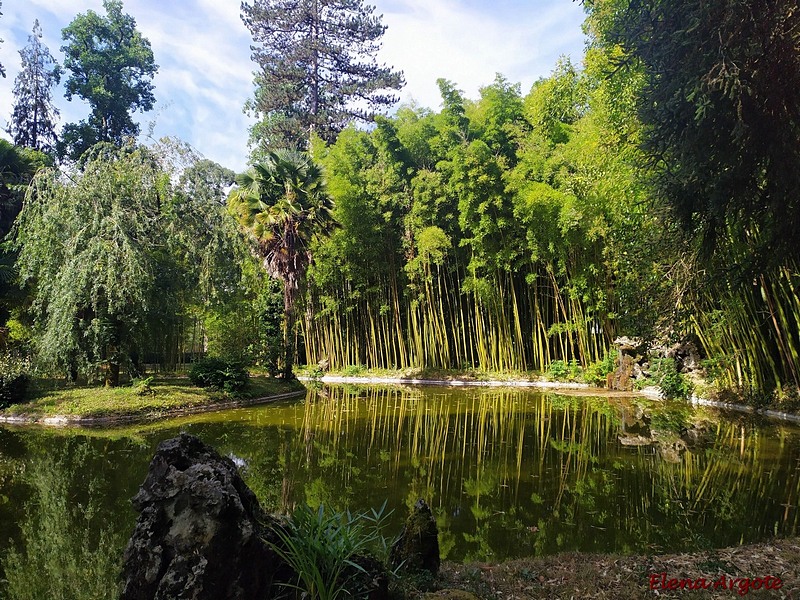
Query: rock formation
x,y
200,532
417,548
630,352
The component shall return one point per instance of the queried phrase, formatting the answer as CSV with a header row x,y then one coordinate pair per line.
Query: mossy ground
x,y
49,398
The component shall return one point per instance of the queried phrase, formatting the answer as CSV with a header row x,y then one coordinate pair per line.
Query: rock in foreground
x,y
200,530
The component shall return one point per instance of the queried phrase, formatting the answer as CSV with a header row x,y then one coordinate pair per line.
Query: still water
x,y
507,472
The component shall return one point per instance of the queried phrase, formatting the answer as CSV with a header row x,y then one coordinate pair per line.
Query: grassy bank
x,y
49,399
427,373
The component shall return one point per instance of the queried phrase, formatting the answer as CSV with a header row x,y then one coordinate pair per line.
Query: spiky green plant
x,y
322,545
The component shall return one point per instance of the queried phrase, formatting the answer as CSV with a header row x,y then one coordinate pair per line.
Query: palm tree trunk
x,y
290,318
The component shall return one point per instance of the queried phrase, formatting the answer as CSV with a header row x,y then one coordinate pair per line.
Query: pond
x,y
507,472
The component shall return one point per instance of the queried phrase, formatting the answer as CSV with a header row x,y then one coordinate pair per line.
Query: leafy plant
x,y
557,370
597,372
323,546
141,387
353,370
14,379
673,384
227,375
575,370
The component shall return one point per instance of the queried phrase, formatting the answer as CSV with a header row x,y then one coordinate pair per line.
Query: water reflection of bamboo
x,y
451,445
486,426
731,477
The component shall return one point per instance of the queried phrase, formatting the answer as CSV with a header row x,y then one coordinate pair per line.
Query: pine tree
x,y
33,117
317,71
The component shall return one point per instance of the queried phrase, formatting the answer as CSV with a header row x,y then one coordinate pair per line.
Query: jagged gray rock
x,y
200,532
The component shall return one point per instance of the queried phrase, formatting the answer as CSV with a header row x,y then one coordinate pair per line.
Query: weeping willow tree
x,y
93,247
116,256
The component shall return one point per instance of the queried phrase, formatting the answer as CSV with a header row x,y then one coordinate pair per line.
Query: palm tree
x,y
283,204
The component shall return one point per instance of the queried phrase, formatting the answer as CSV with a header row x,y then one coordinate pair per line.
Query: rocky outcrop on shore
x,y
200,533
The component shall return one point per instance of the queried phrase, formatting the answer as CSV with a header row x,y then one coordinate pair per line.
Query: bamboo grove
x,y
512,231
487,235
502,233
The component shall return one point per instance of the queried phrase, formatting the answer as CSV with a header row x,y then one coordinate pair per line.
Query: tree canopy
x,y
116,254
283,205
317,69
111,67
721,117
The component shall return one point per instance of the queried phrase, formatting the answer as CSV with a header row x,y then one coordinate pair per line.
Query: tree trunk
x,y
288,330
112,374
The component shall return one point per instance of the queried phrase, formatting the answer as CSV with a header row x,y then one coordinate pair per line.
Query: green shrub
x,y
557,370
575,370
354,370
14,379
597,372
228,375
673,384
323,548
142,387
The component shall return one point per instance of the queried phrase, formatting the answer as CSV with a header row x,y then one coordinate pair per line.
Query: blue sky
x,y
205,73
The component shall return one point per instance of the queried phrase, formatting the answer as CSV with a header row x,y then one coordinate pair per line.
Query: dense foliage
x,y
650,193
14,379
720,114
721,117
490,234
227,375
17,167
111,67
283,206
316,69
116,258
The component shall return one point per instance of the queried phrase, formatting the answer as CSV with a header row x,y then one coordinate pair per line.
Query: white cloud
x,y
205,74
468,45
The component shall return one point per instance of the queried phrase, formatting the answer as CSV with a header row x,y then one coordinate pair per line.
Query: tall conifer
x,y
33,117
317,69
